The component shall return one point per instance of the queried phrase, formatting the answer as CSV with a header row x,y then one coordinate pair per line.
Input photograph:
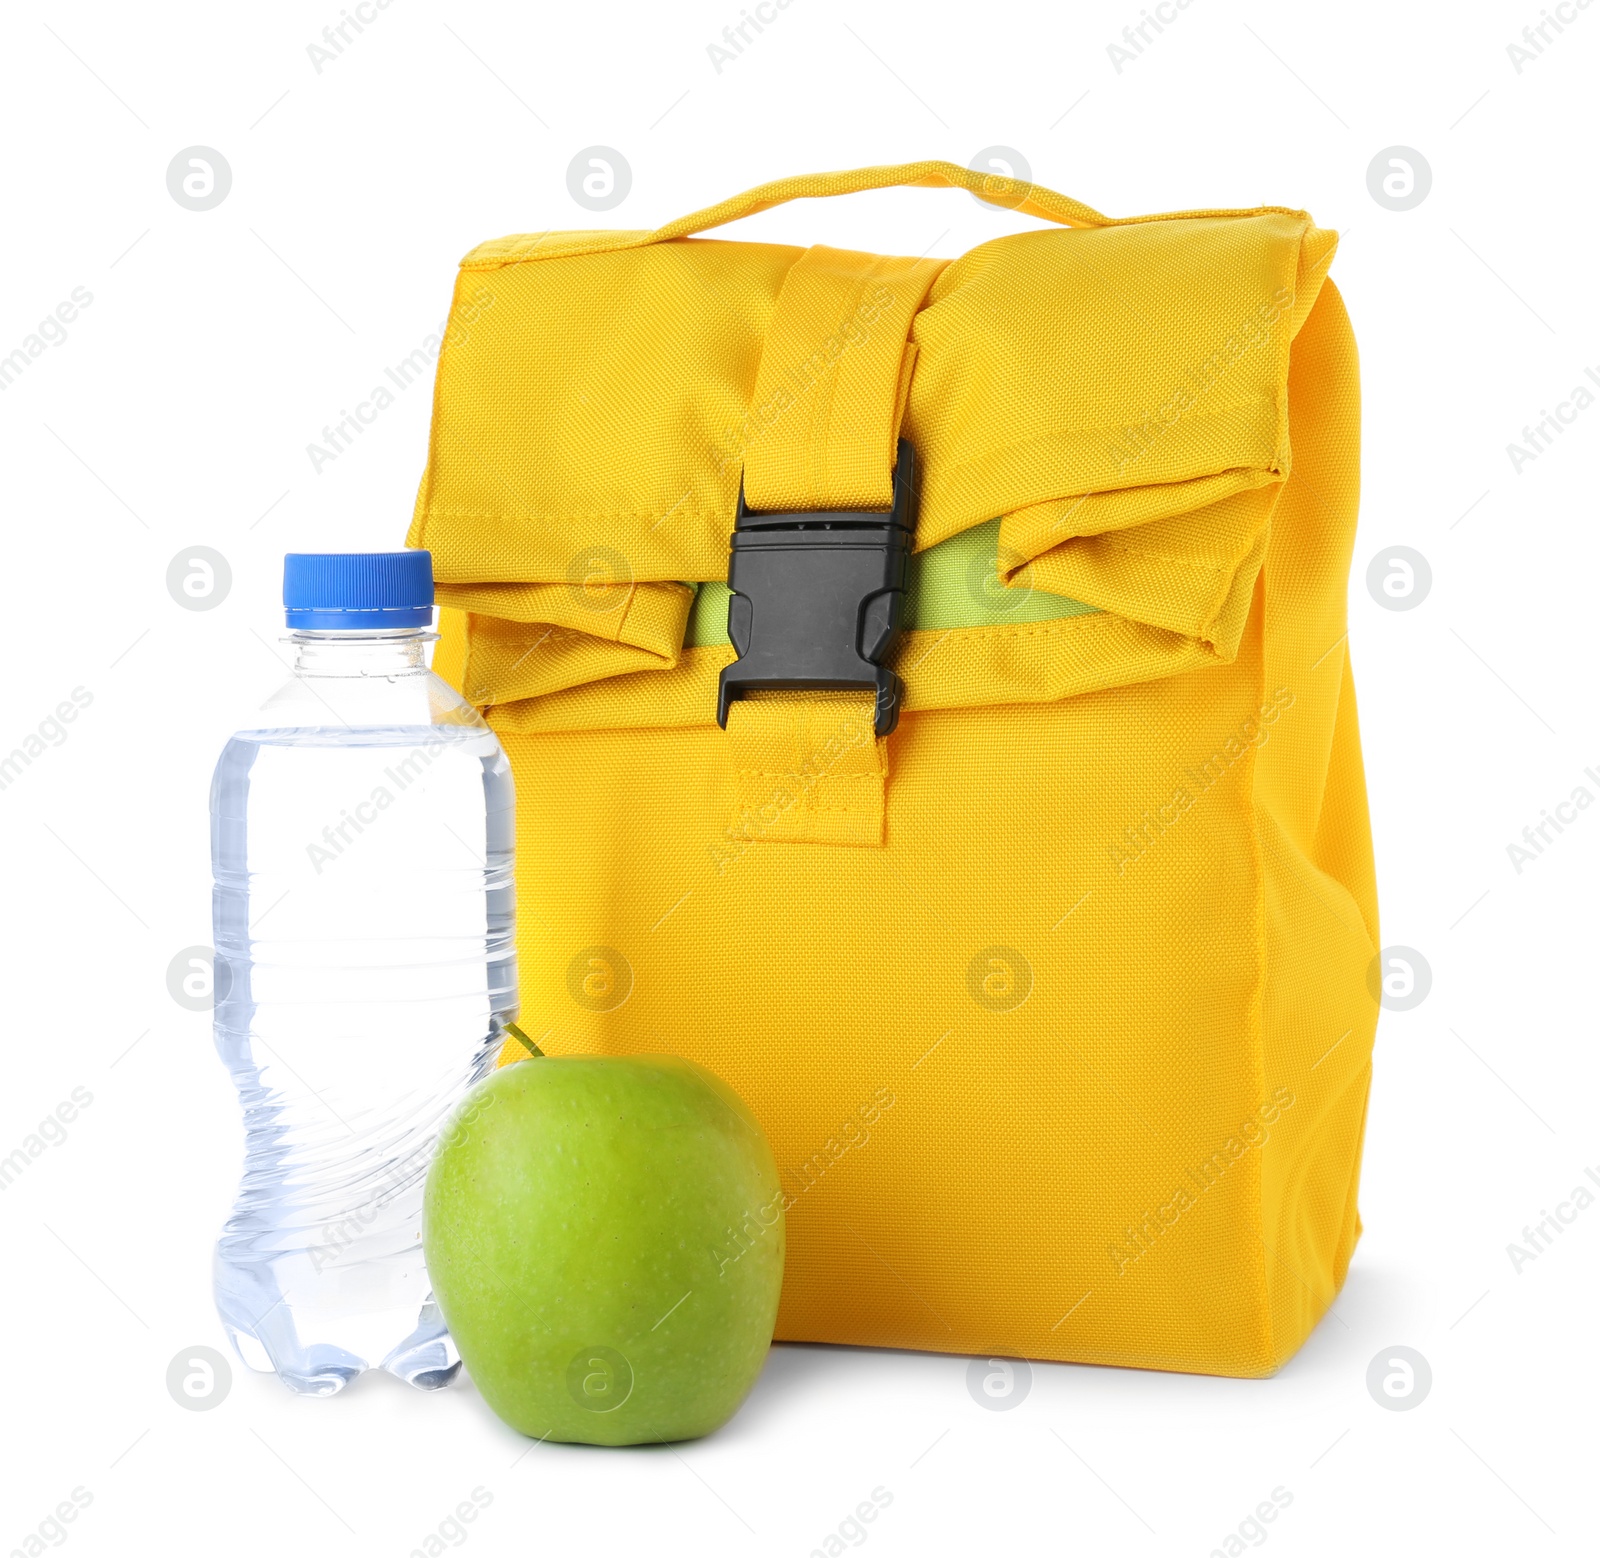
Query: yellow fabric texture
x,y
1065,1053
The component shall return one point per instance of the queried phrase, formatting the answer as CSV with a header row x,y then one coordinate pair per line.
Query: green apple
x,y
605,1238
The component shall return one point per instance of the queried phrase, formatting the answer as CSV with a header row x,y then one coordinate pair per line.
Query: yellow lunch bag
x,y
1001,834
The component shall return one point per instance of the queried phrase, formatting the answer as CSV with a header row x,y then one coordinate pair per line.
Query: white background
x,y
178,413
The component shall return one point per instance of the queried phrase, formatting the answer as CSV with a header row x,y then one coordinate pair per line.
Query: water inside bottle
x,y
365,967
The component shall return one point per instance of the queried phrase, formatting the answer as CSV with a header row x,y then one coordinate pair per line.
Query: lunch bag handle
x,y
1012,194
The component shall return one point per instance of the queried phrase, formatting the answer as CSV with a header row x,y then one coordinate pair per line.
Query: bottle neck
x,y
397,652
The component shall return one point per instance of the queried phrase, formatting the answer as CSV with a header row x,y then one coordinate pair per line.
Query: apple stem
x,y
523,1039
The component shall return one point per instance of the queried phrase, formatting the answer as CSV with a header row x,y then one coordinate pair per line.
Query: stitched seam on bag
x,y
622,620
790,773
947,476
819,811
1268,397
993,633
863,814
555,517
1162,557
1258,1001
1103,620
1099,621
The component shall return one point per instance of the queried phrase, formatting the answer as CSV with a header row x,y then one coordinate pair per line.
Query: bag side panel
x,y
1318,1018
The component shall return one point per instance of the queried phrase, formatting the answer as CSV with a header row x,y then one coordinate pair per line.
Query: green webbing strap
x,y
952,585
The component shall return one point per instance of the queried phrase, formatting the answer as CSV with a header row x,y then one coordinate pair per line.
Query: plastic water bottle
x,y
361,841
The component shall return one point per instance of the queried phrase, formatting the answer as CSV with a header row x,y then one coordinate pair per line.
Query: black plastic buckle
x,y
817,598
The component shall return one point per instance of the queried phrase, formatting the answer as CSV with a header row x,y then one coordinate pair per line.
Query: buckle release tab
x,y
817,599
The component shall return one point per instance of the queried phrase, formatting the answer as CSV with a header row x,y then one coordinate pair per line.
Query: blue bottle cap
x,y
358,591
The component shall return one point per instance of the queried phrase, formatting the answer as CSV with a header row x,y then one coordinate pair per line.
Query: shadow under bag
x,y
1001,834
